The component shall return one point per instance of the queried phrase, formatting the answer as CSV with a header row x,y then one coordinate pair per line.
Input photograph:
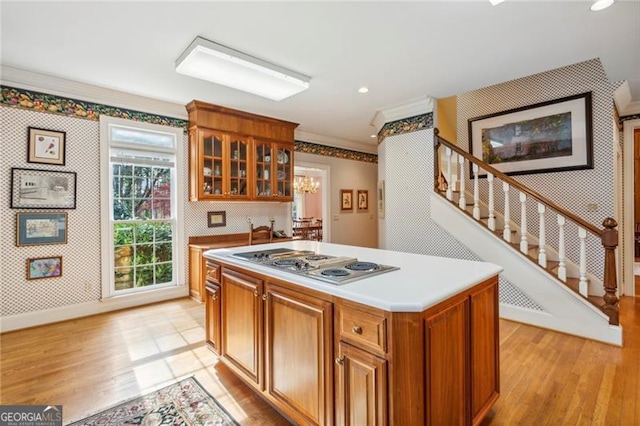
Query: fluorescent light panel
x,y
601,4
222,65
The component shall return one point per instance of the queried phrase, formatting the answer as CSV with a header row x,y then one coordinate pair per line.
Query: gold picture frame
x,y
346,199
46,146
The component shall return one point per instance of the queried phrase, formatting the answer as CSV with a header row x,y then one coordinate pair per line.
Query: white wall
x,y
349,227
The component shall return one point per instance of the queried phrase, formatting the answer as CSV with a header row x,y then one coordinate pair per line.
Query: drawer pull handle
x,y
340,361
264,296
255,293
357,329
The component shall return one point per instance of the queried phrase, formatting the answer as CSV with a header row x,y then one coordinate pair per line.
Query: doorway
x,y
313,205
631,148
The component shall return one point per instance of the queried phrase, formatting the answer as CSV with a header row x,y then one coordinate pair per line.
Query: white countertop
x,y
422,281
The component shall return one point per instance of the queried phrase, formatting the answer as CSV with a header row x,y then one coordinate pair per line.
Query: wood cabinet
x,y
273,170
262,327
324,360
212,317
235,155
361,387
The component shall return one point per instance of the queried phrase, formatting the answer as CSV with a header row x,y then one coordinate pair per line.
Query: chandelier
x,y
305,184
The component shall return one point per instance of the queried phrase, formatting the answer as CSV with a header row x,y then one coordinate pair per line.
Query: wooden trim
x,y
511,181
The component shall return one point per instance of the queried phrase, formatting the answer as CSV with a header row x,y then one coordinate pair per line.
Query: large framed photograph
x,y
46,146
42,189
550,136
363,199
346,199
44,267
41,228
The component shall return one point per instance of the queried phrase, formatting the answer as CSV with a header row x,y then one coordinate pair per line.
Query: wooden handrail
x,y
608,235
438,140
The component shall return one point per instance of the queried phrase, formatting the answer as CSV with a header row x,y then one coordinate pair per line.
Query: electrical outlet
x,y
336,217
88,287
592,207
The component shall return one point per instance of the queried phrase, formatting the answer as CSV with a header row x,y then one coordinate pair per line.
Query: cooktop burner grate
x,y
317,257
335,272
362,266
286,262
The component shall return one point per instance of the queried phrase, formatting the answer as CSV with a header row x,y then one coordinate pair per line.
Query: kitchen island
x,y
416,345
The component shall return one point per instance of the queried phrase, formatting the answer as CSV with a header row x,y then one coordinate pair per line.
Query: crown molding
x,y
306,136
623,100
411,108
30,80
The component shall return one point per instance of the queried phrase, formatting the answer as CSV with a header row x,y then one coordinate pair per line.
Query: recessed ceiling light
x,y
495,2
601,4
373,136
363,89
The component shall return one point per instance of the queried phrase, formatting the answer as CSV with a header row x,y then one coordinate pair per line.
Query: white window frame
x,y
106,185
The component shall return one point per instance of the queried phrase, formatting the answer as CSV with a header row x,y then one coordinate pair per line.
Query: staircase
x,y
561,261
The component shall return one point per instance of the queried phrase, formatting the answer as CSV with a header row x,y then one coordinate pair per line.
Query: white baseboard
x,y
63,313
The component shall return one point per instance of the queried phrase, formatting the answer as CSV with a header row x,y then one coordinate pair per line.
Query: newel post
x,y
609,237
436,163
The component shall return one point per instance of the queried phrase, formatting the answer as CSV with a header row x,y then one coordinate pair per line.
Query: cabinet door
x,y
213,317
485,355
447,392
299,355
284,172
196,274
361,389
242,324
263,168
211,165
237,173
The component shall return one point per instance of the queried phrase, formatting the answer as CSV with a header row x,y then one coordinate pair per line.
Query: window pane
x,y
144,233
162,209
143,209
163,232
144,254
123,278
164,273
144,276
122,209
163,252
144,138
122,187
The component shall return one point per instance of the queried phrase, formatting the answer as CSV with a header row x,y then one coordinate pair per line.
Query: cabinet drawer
x,y
213,272
363,329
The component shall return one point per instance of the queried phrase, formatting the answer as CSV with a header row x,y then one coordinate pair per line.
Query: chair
x,y
301,228
261,234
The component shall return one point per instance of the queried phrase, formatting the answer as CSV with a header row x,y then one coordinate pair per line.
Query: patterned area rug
x,y
185,403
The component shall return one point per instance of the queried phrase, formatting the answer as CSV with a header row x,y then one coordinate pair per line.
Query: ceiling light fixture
x,y
363,90
305,184
219,64
601,4
495,2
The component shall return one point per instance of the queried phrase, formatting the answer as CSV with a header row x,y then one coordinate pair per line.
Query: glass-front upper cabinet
x,y
225,166
273,170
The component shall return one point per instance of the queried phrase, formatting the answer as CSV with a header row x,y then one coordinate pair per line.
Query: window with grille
x,y
140,206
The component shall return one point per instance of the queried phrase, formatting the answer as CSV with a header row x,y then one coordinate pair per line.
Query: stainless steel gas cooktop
x,y
332,269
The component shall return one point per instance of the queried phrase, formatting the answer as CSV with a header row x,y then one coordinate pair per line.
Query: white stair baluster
x,y
491,223
583,286
524,244
506,232
562,268
462,201
476,194
542,250
449,153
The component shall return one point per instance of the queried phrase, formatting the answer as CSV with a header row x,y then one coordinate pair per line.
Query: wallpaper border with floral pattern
x,y
43,102
330,151
406,125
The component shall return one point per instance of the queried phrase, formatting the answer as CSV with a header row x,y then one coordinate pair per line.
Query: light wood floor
x,y
86,365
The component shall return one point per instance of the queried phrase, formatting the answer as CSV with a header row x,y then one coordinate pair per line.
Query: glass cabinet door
x,y
263,171
212,164
284,172
238,167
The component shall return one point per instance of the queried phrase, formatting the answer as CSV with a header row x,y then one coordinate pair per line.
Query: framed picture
x,y
42,189
550,136
363,199
346,199
46,146
44,267
41,228
215,219
381,199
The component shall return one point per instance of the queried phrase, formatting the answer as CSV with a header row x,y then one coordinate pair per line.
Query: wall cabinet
x,y
235,155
